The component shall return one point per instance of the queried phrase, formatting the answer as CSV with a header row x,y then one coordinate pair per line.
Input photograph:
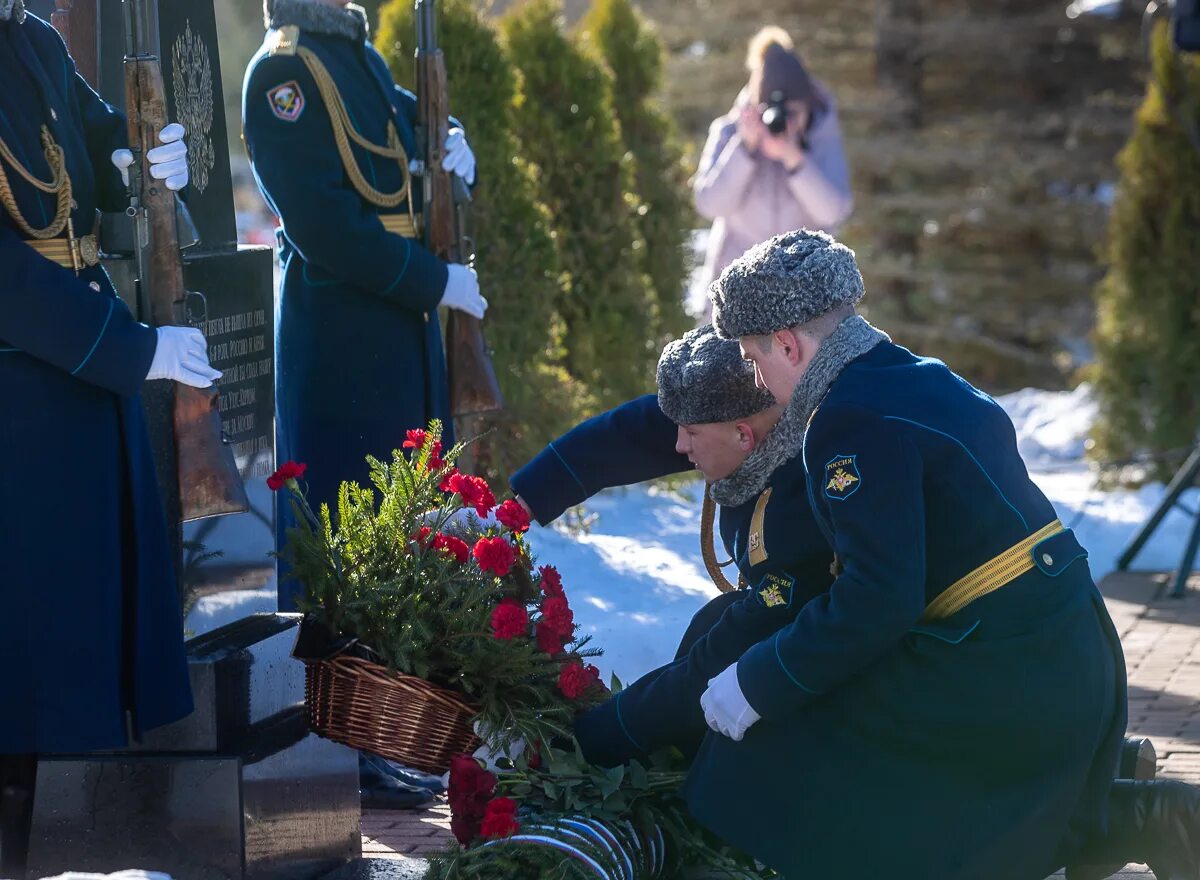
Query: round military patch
x,y
842,478
287,101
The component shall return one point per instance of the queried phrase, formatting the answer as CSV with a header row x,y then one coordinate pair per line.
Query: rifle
x,y
473,386
209,482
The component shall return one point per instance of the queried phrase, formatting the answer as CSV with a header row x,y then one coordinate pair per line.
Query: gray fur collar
x,y
349,21
12,9
853,338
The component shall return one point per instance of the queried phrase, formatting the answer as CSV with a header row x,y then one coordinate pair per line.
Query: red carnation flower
x,y
513,515
415,439
495,555
558,617
534,752
575,679
500,819
453,545
471,788
445,484
551,580
549,640
289,470
474,491
422,536
509,619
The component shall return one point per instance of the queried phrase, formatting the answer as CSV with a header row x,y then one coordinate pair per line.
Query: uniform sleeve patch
x,y
286,100
775,590
842,478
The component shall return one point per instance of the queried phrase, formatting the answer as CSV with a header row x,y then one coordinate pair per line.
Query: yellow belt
x,y
399,224
990,576
70,253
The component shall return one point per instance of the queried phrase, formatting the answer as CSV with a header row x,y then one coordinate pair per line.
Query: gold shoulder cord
x,y
59,185
708,515
344,132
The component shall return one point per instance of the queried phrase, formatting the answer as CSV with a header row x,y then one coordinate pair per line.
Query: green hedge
x,y
1147,374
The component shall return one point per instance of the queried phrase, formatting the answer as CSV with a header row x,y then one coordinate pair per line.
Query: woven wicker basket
x,y
369,707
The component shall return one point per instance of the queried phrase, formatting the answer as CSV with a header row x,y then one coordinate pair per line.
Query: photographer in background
x,y
775,162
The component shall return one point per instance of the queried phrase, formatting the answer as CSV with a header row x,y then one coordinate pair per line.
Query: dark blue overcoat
x,y
89,616
359,356
979,746
789,564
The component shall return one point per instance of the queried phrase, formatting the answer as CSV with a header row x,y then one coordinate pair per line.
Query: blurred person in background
x,y
773,163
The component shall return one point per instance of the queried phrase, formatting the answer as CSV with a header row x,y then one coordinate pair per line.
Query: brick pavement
x,y
1161,637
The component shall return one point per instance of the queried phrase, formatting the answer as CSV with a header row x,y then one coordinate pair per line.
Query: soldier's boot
x,y
1156,823
18,773
1139,761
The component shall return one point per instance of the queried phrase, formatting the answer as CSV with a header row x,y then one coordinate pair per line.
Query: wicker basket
x,y
369,707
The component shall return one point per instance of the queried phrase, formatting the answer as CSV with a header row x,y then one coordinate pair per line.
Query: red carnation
x,y
422,536
500,818
513,515
415,438
289,470
549,640
453,545
471,787
474,491
509,619
575,679
495,555
445,484
551,580
534,753
558,617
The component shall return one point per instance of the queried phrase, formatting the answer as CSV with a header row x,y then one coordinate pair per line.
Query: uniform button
x,y
53,114
74,205
1047,558
95,285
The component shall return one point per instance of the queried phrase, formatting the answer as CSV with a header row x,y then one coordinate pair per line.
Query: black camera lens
x,y
775,119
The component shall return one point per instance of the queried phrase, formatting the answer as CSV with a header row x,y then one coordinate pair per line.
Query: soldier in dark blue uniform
x,y
358,344
962,660
708,414
91,640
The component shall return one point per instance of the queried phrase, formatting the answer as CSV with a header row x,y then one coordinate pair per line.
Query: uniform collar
x,y
349,21
12,9
853,338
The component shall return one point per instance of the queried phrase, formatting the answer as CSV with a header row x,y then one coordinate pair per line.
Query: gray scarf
x,y
349,21
853,338
12,9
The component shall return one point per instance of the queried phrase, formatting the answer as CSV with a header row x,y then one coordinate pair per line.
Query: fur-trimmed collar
x,y
12,9
853,338
349,21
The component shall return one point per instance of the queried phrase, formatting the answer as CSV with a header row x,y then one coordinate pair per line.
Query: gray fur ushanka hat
x,y
785,281
703,379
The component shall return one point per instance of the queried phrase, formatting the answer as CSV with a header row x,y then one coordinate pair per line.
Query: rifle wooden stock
x,y
209,482
474,389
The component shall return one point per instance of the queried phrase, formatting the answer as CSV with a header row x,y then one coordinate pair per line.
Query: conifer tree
x,y
633,54
1147,374
516,257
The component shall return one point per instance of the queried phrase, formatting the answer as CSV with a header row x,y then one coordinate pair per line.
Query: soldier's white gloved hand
x,y
726,709
459,158
462,291
182,355
168,162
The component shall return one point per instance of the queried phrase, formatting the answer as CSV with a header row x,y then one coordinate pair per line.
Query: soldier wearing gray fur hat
x,y
958,595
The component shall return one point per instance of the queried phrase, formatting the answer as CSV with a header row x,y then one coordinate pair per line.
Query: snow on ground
x,y
635,577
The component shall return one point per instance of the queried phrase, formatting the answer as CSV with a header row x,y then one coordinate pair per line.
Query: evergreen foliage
x,y
633,54
516,257
1147,375
566,125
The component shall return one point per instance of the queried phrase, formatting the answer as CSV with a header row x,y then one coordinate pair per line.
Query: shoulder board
x,y
284,40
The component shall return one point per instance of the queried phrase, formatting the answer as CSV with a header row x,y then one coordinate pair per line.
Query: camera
x,y
775,117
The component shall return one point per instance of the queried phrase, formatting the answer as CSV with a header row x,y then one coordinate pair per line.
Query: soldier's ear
x,y
746,438
789,341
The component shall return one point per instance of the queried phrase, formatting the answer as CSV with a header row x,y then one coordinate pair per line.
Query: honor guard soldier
x,y
962,661
91,639
358,344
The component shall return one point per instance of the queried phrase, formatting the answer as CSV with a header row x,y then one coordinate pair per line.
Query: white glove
x,y
182,355
725,707
462,291
459,157
168,162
